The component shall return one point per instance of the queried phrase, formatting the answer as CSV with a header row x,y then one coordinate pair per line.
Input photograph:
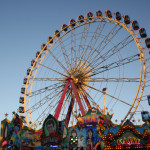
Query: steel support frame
x,y
58,109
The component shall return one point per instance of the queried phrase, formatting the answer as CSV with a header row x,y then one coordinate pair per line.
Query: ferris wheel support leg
x,y
77,97
87,101
58,109
69,112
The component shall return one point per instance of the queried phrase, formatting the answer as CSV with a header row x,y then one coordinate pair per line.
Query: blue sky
x,y
25,25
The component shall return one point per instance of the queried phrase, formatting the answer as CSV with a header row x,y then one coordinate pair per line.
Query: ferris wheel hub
x,y
79,74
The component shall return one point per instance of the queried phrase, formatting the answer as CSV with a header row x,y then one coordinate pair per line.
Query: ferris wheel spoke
x,y
48,79
57,60
43,101
53,70
116,64
108,38
115,49
109,95
64,52
42,116
114,80
73,46
92,100
96,61
88,96
84,97
82,44
83,39
45,89
83,102
49,108
92,43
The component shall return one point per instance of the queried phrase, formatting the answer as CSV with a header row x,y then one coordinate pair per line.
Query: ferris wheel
x,y
99,60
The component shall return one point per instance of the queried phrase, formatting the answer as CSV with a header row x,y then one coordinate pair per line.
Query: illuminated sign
x,y
135,142
88,119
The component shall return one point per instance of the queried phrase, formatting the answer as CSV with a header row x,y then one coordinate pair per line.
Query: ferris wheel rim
x,y
101,19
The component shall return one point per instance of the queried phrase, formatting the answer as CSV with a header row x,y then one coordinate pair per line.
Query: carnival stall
x,y
94,131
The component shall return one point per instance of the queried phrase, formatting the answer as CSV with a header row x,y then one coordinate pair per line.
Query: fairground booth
x,y
94,131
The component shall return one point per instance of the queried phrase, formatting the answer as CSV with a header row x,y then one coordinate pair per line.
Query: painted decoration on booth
x,y
85,137
30,138
91,117
50,127
50,134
